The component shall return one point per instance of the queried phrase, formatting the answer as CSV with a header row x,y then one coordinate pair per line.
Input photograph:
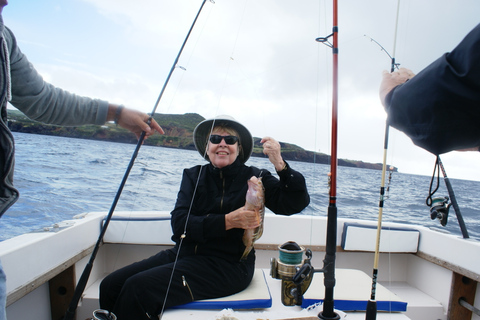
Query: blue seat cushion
x,y
255,296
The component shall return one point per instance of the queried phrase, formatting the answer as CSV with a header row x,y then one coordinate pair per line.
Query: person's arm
x,y
288,195
439,108
46,103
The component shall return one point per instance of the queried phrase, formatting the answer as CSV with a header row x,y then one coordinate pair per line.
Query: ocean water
x,y
59,178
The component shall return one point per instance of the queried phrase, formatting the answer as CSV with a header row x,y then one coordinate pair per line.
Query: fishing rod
x,y
438,205
82,282
331,241
371,310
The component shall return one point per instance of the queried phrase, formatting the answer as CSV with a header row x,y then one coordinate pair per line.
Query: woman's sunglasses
x,y
216,139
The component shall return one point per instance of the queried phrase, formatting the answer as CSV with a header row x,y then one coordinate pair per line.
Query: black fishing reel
x,y
439,209
296,275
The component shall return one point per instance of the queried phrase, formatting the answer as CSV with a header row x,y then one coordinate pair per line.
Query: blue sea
x,y
59,178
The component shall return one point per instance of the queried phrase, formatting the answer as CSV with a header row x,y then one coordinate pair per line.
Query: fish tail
x,y
246,252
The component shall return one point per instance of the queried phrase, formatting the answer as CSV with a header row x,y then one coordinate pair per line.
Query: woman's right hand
x,y
241,219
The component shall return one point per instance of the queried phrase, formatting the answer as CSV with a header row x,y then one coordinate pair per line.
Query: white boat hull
x,y
42,268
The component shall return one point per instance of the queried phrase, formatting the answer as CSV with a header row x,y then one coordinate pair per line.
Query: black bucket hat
x,y
203,129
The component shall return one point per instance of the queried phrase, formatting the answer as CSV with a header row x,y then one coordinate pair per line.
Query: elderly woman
x,y
208,224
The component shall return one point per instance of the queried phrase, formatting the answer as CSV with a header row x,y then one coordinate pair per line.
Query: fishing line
x,y
231,59
206,148
320,185
175,92
70,313
171,101
184,235
371,311
167,291
190,57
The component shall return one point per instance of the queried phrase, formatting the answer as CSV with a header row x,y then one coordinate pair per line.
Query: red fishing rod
x,y
82,283
331,241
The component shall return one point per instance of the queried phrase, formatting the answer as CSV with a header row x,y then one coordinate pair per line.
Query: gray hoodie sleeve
x,y
44,102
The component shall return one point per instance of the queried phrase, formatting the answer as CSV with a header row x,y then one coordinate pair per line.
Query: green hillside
x,y
178,134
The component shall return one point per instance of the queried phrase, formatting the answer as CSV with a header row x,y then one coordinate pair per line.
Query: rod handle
x,y
371,311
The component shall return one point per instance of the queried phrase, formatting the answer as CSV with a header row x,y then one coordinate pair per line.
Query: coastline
x,y
178,134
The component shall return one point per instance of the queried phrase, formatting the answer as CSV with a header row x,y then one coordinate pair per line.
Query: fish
x,y
255,201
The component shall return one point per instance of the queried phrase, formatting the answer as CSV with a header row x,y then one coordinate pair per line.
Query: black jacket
x,y
439,108
220,191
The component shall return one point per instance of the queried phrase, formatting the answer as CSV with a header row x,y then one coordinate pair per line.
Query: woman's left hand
x,y
272,149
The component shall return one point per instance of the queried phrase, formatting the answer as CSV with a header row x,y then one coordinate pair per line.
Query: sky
x,y
257,61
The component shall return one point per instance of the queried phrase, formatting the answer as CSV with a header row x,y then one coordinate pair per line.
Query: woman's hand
x,y
241,219
272,149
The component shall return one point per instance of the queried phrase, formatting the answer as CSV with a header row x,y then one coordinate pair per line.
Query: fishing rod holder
x,y
439,209
296,275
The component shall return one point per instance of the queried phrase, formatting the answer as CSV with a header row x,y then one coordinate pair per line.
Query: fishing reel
x,y
296,275
439,209
101,314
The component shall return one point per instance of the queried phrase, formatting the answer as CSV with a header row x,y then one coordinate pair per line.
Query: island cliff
x,y
178,134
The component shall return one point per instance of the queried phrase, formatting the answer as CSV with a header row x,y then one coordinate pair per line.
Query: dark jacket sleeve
x,y
288,195
439,109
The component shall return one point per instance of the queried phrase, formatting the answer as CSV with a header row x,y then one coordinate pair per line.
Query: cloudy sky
x,y
255,60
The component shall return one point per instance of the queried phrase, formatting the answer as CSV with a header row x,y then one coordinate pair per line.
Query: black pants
x,y
139,291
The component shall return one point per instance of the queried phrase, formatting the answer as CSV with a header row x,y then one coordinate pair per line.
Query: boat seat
x,y
255,296
352,291
362,237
